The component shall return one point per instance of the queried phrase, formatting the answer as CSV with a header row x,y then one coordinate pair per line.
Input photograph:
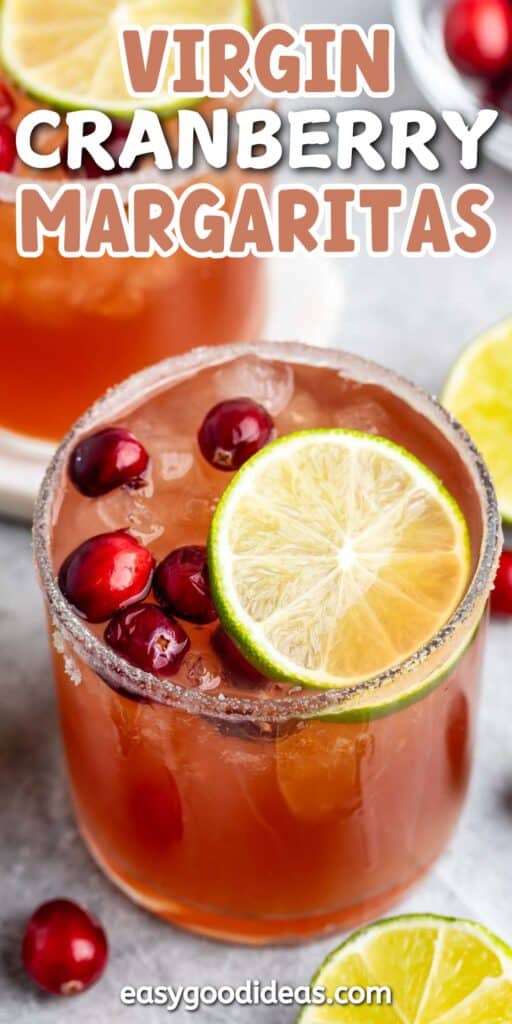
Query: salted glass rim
x,y
144,384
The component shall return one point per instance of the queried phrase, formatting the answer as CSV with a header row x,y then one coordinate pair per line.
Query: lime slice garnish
x,y
440,970
387,700
335,555
67,54
479,393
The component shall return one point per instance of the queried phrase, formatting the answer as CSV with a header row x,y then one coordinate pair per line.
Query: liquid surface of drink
x,y
175,507
258,827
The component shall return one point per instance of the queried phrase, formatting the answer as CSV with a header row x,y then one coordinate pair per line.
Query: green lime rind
x,y
242,631
461,379
372,712
66,103
349,945
165,106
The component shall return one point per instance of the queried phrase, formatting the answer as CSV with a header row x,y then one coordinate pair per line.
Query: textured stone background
x,y
414,316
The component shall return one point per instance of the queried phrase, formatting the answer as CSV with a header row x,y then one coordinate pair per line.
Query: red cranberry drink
x,y
85,324
267,571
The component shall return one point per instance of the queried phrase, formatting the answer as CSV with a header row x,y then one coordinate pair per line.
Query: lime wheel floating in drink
x,y
334,555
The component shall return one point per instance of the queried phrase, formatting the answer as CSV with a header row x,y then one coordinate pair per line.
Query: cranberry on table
x,y
64,949
233,431
241,672
106,573
7,148
181,585
6,103
149,639
501,596
478,36
107,459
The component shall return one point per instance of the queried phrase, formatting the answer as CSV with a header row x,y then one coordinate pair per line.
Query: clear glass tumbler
x,y
265,814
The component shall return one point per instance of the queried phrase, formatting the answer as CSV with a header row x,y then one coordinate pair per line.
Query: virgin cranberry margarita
x,y
226,802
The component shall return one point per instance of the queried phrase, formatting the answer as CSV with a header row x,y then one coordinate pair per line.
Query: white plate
x,y
305,303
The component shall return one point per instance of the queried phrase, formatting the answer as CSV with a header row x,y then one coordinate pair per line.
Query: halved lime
x,y
67,54
479,393
334,555
440,971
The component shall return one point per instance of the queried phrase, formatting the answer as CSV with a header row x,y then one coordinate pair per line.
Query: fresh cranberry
x,y
478,36
149,639
114,145
240,671
64,949
7,148
6,103
181,585
501,596
106,460
233,431
499,95
105,574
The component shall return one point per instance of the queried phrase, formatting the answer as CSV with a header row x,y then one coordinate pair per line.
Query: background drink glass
x,y
73,327
252,819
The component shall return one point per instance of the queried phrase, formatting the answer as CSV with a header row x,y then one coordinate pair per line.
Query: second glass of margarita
x,y
82,324
248,808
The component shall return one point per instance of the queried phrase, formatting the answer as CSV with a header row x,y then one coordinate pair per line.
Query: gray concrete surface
x,y
414,316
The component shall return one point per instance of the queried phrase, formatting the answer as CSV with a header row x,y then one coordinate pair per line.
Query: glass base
x,y
249,931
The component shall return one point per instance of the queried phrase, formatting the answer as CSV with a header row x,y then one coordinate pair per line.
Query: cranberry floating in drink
x,y
239,670
181,585
7,148
331,708
233,431
107,459
6,103
149,639
106,573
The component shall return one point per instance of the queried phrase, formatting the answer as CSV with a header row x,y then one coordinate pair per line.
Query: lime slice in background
x,y
440,970
334,555
67,54
479,393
